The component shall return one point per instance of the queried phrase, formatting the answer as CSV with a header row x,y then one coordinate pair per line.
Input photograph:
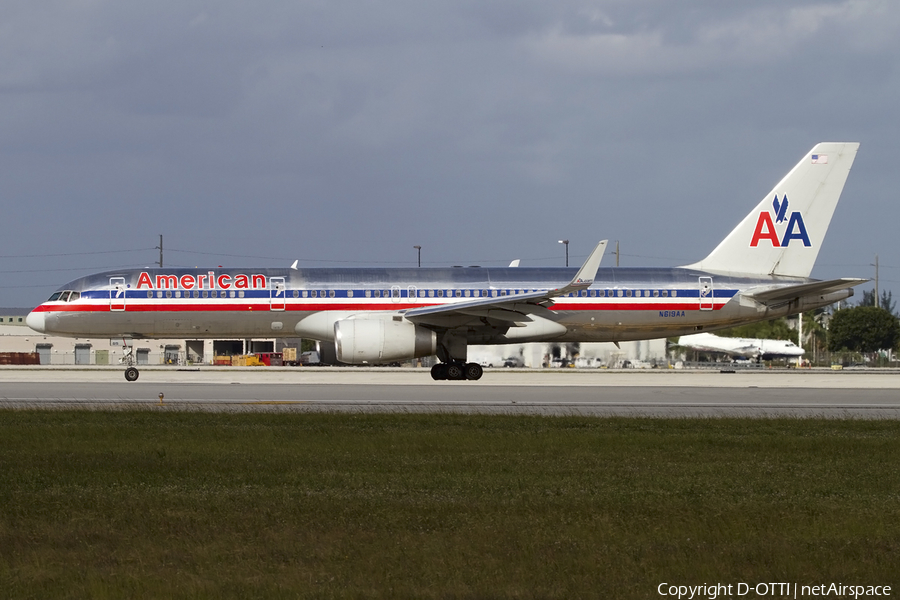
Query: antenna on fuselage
x,y
160,247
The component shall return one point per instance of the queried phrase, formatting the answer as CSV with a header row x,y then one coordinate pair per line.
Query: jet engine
x,y
380,340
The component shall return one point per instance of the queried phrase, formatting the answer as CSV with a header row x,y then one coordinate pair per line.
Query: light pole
x,y
566,242
419,250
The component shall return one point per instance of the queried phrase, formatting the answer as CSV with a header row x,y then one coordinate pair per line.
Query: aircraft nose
x,y
36,320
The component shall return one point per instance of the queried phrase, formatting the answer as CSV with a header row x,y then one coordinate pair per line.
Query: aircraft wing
x,y
786,294
514,308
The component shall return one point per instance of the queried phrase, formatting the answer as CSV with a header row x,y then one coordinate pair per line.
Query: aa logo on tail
x,y
766,230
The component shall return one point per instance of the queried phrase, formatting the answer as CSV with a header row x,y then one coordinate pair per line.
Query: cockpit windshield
x,y
64,296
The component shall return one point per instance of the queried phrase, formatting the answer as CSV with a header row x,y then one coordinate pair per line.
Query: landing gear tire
x,y
131,374
473,371
455,372
439,371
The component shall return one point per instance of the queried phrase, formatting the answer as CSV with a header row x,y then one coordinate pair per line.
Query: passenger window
x,y
296,293
421,293
331,293
149,294
169,294
656,293
467,293
349,293
620,293
431,293
665,293
159,294
674,293
440,293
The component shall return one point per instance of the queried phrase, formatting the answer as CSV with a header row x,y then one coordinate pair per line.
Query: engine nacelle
x,y
381,340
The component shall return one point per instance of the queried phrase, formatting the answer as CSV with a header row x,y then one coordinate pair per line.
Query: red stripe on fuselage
x,y
233,306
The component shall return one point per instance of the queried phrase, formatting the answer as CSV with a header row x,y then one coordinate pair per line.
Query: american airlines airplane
x,y
759,271
760,349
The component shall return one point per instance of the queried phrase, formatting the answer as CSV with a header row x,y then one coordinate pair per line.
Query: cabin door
x,y
277,290
706,293
116,293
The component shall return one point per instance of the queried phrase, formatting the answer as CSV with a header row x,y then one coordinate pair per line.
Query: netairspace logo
x,y
766,227
771,590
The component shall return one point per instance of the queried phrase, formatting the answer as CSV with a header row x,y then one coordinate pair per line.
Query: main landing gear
x,y
456,371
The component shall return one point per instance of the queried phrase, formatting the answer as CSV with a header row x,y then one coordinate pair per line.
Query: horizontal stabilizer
x,y
784,294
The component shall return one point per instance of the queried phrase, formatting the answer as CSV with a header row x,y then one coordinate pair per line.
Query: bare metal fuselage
x,y
621,304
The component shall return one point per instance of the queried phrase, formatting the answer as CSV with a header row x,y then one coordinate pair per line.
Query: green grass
x,y
123,504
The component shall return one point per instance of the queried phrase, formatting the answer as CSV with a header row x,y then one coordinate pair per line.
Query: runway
x,y
859,394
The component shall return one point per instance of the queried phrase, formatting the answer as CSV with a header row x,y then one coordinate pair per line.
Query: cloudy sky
x,y
346,132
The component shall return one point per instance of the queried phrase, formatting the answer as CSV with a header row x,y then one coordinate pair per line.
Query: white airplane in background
x,y
759,271
760,349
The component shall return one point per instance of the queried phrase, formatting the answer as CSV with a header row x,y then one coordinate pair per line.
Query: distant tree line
x,y
865,328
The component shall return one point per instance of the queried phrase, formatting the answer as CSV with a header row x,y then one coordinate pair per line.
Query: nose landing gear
x,y
456,371
131,373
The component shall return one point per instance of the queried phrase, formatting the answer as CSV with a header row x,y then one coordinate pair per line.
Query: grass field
x,y
167,504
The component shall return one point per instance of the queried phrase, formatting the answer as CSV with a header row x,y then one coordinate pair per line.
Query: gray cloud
x,y
350,131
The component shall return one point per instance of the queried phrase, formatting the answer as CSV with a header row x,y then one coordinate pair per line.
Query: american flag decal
x,y
819,159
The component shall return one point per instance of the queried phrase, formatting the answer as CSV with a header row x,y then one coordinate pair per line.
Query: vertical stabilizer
x,y
783,234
